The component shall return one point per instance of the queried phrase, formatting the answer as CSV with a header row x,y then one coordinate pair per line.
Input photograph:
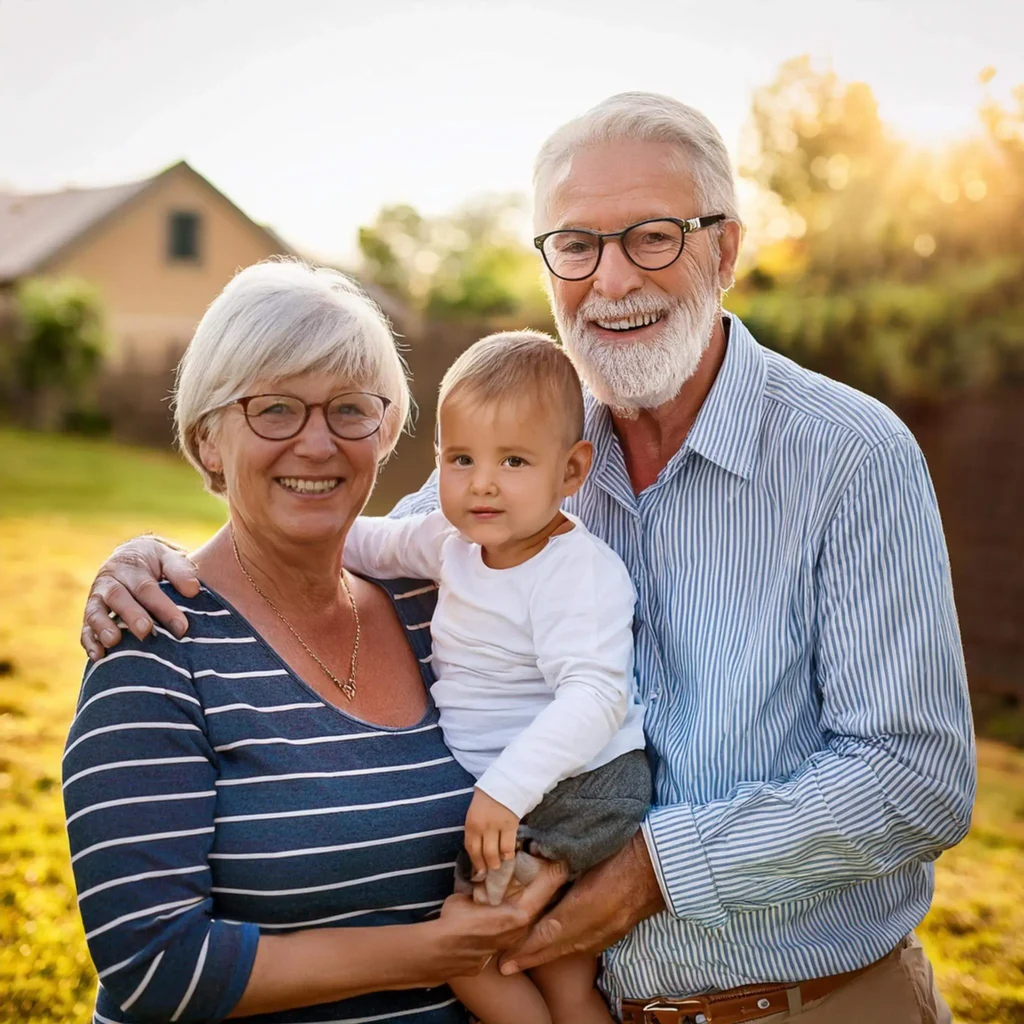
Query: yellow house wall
x,y
153,303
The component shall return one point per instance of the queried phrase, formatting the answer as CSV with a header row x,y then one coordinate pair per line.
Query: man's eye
x,y
515,461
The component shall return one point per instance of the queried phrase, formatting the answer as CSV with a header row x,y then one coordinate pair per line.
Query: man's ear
x,y
577,466
729,251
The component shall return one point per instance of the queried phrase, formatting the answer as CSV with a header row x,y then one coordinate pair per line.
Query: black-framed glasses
x,y
575,253
351,415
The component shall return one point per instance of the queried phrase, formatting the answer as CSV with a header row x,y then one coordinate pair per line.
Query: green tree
x,y
60,347
898,269
819,146
470,264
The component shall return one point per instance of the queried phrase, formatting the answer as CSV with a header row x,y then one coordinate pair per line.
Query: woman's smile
x,y
310,486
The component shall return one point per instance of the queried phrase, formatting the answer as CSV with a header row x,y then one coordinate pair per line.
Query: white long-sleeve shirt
x,y
534,663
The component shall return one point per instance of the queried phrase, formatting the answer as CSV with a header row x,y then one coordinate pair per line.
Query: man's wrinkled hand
x,y
603,905
128,585
490,833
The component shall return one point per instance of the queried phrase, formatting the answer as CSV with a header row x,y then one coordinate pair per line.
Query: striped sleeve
x,y
896,780
424,500
139,777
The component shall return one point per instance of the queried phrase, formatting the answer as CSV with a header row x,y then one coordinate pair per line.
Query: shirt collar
x,y
727,428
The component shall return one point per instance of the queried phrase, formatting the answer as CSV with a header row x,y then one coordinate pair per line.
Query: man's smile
x,y
629,323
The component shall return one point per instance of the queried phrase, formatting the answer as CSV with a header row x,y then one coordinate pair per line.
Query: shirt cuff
x,y
681,866
519,799
237,979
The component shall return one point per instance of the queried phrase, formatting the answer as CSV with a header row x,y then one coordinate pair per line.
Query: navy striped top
x,y
212,795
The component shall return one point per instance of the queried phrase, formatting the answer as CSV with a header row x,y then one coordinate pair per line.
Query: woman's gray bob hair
x,y
279,319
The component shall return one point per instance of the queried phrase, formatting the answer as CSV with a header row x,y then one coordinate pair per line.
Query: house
x,y
156,250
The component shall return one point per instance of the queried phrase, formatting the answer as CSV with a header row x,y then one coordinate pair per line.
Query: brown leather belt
x,y
737,1005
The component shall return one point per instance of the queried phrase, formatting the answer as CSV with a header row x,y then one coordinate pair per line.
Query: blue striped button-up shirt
x,y
798,650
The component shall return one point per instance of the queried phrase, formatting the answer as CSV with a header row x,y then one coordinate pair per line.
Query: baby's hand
x,y
490,833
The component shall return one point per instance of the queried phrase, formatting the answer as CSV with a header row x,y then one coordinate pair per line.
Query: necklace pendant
x,y
349,689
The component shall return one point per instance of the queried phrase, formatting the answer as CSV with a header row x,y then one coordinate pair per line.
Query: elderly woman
x,y
262,814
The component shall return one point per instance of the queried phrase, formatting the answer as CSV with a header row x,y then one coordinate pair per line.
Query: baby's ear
x,y
577,466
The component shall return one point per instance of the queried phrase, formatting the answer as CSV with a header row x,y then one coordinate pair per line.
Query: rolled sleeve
x,y
681,865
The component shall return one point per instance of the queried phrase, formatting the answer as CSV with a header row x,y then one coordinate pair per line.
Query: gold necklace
x,y
348,688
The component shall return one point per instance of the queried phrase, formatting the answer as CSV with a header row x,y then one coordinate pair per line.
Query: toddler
x,y
532,645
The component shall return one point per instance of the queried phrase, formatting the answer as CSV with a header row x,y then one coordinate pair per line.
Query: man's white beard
x,y
632,375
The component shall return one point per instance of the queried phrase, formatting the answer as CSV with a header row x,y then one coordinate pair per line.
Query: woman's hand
x,y
470,935
128,585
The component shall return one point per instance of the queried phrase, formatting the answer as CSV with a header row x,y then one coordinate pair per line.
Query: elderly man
x,y
796,640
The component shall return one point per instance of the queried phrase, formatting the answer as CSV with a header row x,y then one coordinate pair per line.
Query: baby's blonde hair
x,y
517,365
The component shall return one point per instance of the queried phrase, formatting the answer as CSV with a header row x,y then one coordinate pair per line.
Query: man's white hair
x,y
279,319
644,116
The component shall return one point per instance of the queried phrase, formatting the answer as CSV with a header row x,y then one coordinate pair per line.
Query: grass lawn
x,y
64,503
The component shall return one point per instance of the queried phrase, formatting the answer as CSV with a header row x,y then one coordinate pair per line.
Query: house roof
x,y
35,228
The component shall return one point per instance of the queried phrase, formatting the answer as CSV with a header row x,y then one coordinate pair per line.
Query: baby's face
x,y
502,469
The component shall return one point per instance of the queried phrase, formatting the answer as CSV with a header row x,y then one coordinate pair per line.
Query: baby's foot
x,y
497,882
527,867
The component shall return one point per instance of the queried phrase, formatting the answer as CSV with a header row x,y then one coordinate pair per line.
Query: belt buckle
x,y
665,1011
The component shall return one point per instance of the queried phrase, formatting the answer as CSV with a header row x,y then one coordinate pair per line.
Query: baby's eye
x,y
515,461
462,460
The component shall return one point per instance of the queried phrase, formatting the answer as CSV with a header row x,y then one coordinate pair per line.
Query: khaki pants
x,y
900,989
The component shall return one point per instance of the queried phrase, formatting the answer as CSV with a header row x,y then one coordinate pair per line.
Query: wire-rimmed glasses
x,y
351,415
573,254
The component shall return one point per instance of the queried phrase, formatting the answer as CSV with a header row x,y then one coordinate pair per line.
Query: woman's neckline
x,y
429,713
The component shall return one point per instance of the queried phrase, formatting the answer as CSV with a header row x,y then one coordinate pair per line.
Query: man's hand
x,y
490,833
128,585
603,905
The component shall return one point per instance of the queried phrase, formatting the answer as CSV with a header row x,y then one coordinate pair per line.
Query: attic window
x,y
183,236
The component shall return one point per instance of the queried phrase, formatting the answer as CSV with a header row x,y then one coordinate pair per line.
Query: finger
x,y
119,600
492,853
511,918
180,571
507,844
161,607
474,847
99,623
92,646
544,944
539,893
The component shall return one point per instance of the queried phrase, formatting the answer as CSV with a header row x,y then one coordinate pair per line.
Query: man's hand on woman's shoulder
x,y
128,584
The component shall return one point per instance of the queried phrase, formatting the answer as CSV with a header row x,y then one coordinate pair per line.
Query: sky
x,y
312,114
